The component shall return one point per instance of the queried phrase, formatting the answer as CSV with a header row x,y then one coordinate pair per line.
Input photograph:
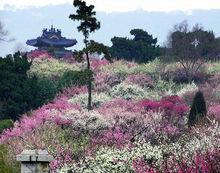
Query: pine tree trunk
x,y
89,95
89,85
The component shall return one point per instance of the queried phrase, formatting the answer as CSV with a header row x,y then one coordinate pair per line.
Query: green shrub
x,y
165,86
74,78
5,124
47,90
198,109
6,165
216,95
149,68
213,68
38,91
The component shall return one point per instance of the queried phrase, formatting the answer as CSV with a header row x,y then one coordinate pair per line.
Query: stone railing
x,y
34,161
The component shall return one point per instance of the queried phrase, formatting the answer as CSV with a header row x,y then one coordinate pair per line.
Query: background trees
x,y
12,85
21,91
191,47
182,42
141,48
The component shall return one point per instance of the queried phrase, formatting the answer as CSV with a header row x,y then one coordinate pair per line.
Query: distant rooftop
x,y
51,38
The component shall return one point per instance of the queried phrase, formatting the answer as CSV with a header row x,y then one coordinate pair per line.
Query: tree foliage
x,y
99,48
13,80
19,92
191,55
5,124
183,47
141,48
75,78
86,16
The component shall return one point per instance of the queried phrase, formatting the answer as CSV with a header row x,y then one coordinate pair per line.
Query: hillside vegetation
x,y
139,120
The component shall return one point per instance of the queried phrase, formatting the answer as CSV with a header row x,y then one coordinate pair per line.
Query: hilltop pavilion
x,y
52,40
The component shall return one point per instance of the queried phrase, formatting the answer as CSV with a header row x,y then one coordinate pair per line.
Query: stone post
x,y
34,161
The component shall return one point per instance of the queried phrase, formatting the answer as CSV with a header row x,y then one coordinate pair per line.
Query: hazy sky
x,y
25,19
122,5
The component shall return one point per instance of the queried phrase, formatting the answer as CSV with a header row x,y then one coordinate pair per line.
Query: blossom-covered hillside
x,y
138,122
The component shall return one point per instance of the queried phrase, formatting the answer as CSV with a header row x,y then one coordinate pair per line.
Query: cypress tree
x,y
198,109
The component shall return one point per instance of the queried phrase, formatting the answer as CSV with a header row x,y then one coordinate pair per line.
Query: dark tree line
x,y
142,48
14,85
20,93
182,38
191,47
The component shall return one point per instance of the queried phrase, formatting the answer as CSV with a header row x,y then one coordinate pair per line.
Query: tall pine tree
x,y
88,24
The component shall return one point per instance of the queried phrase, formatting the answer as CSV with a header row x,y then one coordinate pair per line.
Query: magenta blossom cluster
x,y
39,54
51,112
63,157
140,165
133,117
69,92
201,163
143,80
105,81
112,137
69,58
127,105
171,105
174,111
96,63
214,110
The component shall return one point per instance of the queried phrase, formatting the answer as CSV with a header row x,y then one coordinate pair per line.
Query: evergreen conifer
x,y
198,109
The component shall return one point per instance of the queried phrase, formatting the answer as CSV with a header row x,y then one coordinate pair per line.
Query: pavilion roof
x,y
51,37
